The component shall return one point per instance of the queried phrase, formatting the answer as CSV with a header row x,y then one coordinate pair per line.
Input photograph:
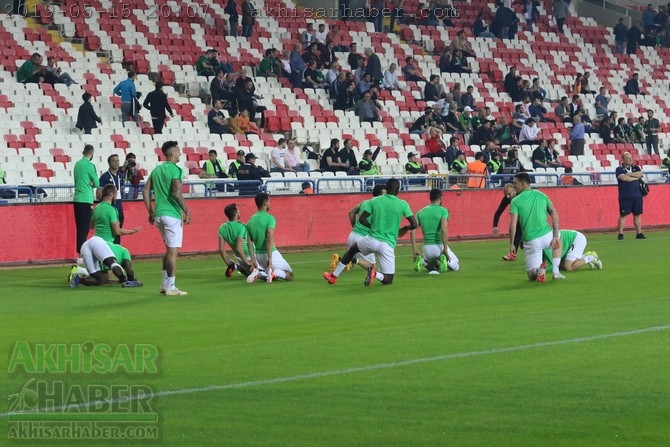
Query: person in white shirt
x,y
391,78
529,132
293,157
286,61
278,161
333,73
307,36
320,35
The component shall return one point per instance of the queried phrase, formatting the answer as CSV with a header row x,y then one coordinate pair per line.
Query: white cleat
x,y
175,292
433,272
253,276
558,275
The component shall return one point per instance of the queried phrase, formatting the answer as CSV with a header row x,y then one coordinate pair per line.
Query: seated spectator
x,y
306,188
511,79
480,28
620,134
479,119
456,93
586,88
537,111
432,90
270,66
367,166
338,85
435,145
241,81
216,120
562,110
320,35
221,87
353,56
218,65
459,43
602,102
235,164
391,78
247,100
348,157
535,91
333,73
494,164
511,165
542,157
233,123
365,83
32,72
63,78
311,54
278,160
605,130
330,160
346,98
204,66
445,61
307,36
631,132
86,117
632,86
413,166
410,72
423,123
327,56
294,157
530,133
553,153
665,164
335,38
245,124
503,132
568,180
366,109
484,134
465,120
213,167
459,165
451,122
459,63
313,78
468,99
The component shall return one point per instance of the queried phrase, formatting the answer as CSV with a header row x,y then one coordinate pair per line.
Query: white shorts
x,y
533,250
352,239
172,230
368,245
93,252
278,261
431,253
577,249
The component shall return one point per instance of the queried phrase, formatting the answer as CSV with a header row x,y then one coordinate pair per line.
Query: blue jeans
x,y
620,46
247,30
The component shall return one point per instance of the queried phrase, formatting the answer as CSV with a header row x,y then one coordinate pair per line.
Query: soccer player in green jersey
x,y
530,209
572,254
170,214
261,241
359,231
383,219
234,233
85,182
434,223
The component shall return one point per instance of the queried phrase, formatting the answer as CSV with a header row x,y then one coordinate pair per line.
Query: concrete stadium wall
x,y
45,232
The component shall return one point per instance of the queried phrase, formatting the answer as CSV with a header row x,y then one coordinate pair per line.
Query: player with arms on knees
x,y
170,213
383,219
234,233
359,231
530,209
572,253
261,241
434,223
510,193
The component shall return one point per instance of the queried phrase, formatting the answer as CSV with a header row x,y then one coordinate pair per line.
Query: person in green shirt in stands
x,y
434,223
33,72
234,233
204,65
268,66
383,220
573,256
85,181
170,214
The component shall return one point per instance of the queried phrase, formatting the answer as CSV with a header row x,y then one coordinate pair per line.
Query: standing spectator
x,y
170,214
297,65
157,103
651,129
86,116
114,176
531,13
132,176
63,78
634,38
247,100
248,14
221,87
560,14
620,36
353,56
294,158
504,21
85,182
577,136
216,120
480,28
366,109
648,18
126,90
602,102
374,66
391,78
397,13
233,17
632,87
345,10
628,178
376,12
477,169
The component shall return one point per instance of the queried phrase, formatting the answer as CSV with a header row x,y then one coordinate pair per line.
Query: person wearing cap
x,y
235,164
86,117
413,166
465,120
249,171
494,163
367,166
306,188
157,103
423,123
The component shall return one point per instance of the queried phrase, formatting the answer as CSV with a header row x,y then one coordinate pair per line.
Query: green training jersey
x,y
567,240
120,253
161,180
531,207
359,228
103,216
257,227
85,179
430,220
387,212
231,231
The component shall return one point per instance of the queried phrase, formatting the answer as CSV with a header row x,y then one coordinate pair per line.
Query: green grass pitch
x,y
479,357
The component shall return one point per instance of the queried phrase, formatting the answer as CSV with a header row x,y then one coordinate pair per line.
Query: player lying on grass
x,y
572,255
434,223
100,257
234,233
358,232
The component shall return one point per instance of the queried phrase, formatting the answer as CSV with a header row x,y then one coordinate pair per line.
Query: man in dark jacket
x,y
374,66
634,37
249,171
86,117
233,17
157,103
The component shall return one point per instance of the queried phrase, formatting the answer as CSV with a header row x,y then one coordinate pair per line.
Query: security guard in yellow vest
x,y
235,165
412,166
213,169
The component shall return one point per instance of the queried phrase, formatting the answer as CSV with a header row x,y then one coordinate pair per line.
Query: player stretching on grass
x,y
434,223
510,193
234,233
359,231
261,241
530,208
387,212
169,213
572,255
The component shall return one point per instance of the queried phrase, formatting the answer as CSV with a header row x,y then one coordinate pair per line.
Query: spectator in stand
x,y
333,73
459,63
157,103
445,61
586,89
459,43
391,78
478,172
330,160
321,35
553,152
216,120
602,102
431,91
294,158
297,65
537,110
577,109
235,164
484,134
634,38
133,177
126,90
360,71
285,63
511,79
327,56
480,28
346,99
246,100
338,85
278,160
233,17
348,157
651,128
648,19
365,84
568,180
512,165
86,117
217,65
451,123
632,87
307,36
218,88
535,91
335,38
561,13
423,123
620,135
413,166
577,136
437,148
366,109
660,20
530,133
397,13
620,36
269,66
577,86
213,167
353,56
248,17
373,66
504,20
605,129
63,78
531,13
465,120
562,110
311,54
503,132
313,77
410,72
367,166
479,119
203,65
468,99
542,157
32,72
245,124
665,164
458,166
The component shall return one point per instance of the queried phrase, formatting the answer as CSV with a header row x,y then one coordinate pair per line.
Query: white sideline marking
x,y
376,367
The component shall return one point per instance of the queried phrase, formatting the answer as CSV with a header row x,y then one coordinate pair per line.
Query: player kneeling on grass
x,y
234,233
573,256
358,232
100,257
261,242
434,223
383,219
